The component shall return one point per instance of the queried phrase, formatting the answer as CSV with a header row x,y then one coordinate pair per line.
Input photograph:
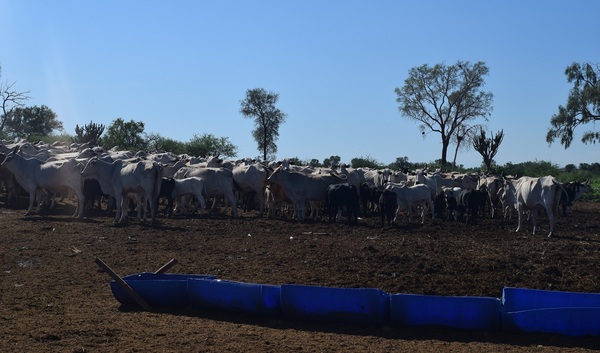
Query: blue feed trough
x,y
567,313
248,298
472,313
159,290
351,305
519,310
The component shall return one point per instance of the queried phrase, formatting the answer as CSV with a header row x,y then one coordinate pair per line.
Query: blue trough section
x,y
350,305
247,298
159,290
567,313
519,310
471,313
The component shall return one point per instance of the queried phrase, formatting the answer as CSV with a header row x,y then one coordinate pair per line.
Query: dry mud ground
x,y
55,299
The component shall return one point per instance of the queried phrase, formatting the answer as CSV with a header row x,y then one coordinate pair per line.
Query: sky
x,y
182,67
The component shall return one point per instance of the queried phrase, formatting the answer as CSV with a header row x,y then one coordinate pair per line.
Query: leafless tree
x,y
11,99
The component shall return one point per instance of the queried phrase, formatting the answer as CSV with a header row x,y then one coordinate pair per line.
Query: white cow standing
x,y
118,179
301,188
192,186
409,196
217,182
252,178
535,194
36,176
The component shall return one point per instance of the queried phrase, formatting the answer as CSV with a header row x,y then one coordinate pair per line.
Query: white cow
x,y
535,194
421,177
36,176
252,178
217,182
118,179
378,177
410,196
492,184
187,187
301,188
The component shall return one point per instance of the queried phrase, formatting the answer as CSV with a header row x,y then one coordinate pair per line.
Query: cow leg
x,y
32,195
551,220
534,218
233,203
153,204
261,203
520,214
201,202
121,204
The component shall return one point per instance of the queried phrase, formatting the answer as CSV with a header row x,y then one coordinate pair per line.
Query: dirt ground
x,y
55,299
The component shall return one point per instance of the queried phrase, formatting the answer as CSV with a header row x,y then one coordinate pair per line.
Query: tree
x,y
444,99
331,161
88,133
31,122
125,135
155,142
11,99
488,147
314,163
207,144
583,106
463,139
365,162
260,105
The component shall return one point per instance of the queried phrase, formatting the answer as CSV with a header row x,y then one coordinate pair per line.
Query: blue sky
x,y
182,68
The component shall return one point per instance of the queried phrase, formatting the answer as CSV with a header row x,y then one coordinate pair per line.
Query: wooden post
x,y
166,266
138,299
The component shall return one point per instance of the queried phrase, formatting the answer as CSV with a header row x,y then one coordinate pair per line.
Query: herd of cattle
x,y
91,174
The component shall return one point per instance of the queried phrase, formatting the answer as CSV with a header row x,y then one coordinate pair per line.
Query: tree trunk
x,y
444,152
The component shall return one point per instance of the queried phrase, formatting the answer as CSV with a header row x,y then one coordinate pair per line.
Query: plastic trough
x,y
159,290
248,298
472,313
349,305
519,310
567,313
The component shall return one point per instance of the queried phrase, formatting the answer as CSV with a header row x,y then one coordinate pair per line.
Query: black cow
x,y
92,192
388,203
167,186
369,197
573,190
472,202
439,205
342,196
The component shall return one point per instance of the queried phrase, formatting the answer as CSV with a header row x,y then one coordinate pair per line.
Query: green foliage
x,y
366,162
445,99
314,163
533,169
207,144
582,108
32,121
164,144
88,133
260,105
63,138
126,135
331,161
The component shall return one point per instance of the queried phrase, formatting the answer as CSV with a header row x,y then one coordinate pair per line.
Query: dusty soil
x,y
55,299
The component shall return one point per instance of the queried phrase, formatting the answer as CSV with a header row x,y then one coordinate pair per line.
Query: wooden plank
x,y
138,299
166,266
